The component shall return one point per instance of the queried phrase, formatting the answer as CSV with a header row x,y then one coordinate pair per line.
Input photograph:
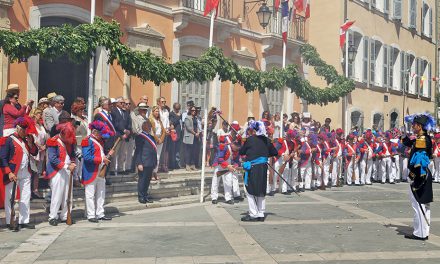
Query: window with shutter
x,y
397,9
417,77
426,20
373,3
402,70
350,37
412,14
372,61
392,60
430,23
386,6
385,66
409,73
365,60
429,80
195,91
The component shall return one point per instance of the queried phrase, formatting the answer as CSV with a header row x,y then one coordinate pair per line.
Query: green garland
x,y
78,43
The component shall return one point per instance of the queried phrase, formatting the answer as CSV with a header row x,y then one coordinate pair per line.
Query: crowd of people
x,y
48,142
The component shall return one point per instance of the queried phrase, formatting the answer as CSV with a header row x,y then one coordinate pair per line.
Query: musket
x,y
366,162
279,175
322,186
69,200
13,223
104,167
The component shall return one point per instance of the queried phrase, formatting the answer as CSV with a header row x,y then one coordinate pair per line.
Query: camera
x,y
78,155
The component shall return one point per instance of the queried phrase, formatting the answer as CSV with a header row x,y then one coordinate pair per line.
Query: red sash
x,y
149,140
107,120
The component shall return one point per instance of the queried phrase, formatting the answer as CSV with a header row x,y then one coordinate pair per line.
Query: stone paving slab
x,y
366,194
195,214
11,240
90,243
375,261
367,237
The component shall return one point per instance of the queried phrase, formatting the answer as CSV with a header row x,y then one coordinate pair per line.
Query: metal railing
x,y
296,29
224,9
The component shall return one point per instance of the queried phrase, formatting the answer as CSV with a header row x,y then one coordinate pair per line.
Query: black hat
x,y
422,120
190,103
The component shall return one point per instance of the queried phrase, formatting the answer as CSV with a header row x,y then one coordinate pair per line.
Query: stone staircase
x,y
174,188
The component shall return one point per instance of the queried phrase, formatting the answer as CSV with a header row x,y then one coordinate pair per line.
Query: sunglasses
x,y
163,101
15,97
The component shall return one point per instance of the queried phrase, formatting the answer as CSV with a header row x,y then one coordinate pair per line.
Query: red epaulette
x,y
52,142
85,142
3,140
280,140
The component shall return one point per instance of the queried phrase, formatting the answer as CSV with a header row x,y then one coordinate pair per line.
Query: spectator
x,y
37,163
13,110
296,122
277,123
326,126
81,125
136,122
43,103
122,123
130,142
99,108
143,99
265,115
224,130
211,138
165,118
286,122
185,113
158,132
189,135
51,114
198,141
64,117
176,137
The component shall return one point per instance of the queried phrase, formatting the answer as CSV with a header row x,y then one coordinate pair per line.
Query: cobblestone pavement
x,y
340,225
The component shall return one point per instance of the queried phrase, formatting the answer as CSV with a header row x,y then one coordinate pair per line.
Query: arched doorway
x,y
61,75
393,120
357,120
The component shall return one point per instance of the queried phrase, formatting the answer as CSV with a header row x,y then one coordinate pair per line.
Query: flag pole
x,y
205,118
285,94
91,71
346,75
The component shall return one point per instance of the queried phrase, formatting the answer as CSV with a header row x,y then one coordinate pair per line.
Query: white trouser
x,y
293,174
95,197
257,205
387,165
350,170
24,183
436,172
228,185
159,151
397,175
366,175
404,170
376,169
421,227
214,185
317,181
326,169
235,186
335,170
306,175
286,175
77,173
59,186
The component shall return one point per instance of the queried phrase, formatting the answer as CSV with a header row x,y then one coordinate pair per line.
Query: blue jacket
x,y
147,154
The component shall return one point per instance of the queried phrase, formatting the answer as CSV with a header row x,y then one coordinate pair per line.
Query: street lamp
x,y
264,15
351,52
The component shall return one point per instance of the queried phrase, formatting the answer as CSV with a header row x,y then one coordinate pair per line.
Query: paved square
x,y
362,225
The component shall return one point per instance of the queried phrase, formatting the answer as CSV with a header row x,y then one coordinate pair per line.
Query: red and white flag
x,y
285,19
211,5
307,7
343,31
276,5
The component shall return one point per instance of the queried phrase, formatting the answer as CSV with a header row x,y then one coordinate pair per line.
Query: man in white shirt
x,y
165,118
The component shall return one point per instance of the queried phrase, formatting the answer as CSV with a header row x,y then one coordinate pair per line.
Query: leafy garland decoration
x,y
79,43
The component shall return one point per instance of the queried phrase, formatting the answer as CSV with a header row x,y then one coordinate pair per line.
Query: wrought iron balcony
x,y
296,29
224,9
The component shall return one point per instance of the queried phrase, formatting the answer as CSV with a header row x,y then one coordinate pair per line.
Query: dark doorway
x,y
61,75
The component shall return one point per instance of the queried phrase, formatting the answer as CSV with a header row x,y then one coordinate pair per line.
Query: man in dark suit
x,y
122,123
176,137
145,160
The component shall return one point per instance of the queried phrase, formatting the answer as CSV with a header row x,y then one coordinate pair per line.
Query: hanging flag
x,y
276,5
307,7
299,5
285,19
211,5
343,31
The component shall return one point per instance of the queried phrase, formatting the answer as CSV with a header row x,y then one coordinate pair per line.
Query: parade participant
x,y
388,150
404,158
257,149
235,136
325,157
304,163
377,157
60,165
226,162
15,151
436,157
145,160
316,162
366,147
420,177
337,147
351,154
94,159
283,157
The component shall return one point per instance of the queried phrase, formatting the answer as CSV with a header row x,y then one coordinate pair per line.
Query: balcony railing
x,y
296,29
224,9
